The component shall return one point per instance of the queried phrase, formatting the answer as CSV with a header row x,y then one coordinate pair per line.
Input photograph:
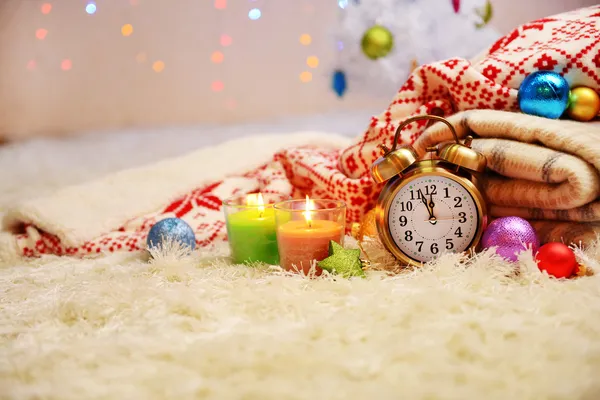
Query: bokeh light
x,y
41,33
141,57
254,14
305,39
66,65
90,8
158,66
343,3
217,57
46,8
306,77
31,64
226,40
312,61
134,2
231,104
217,86
127,30
220,4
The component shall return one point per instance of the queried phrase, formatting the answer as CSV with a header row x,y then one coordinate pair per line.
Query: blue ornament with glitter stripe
x,y
544,93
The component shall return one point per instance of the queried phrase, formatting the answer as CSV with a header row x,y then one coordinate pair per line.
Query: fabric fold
x,y
541,169
75,215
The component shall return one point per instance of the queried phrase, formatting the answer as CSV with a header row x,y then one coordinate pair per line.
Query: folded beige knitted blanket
x,y
544,170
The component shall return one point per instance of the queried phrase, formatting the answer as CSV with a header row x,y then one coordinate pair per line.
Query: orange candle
x,y
302,241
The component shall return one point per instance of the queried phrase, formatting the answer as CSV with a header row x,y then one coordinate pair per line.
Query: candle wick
x,y
309,223
260,214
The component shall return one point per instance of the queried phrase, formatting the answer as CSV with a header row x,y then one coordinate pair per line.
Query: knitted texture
x,y
568,43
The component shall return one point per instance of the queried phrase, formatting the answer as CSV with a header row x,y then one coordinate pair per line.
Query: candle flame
x,y
256,199
310,205
261,205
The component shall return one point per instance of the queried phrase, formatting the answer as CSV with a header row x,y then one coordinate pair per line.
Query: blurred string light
x,y
46,8
231,104
66,65
31,64
158,66
141,57
217,86
220,4
305,39
127,30
312,61
226,40
90,8
41,34
344,3
306,77
254,14
217,57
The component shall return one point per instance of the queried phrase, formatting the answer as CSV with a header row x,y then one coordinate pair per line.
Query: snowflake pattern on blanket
x,y
568,43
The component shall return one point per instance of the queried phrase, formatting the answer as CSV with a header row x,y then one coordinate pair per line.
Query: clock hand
x,y
424,201
445,218
429,207
432,217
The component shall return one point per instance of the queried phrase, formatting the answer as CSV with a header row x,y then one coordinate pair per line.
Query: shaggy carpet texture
x,y
127,326
195,327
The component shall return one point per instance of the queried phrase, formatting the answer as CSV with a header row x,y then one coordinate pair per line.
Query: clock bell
x,y
398,160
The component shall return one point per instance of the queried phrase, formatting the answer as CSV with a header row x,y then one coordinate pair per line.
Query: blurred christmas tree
x,y
379,42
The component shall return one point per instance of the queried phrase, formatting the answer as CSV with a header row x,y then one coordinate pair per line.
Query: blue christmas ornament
x,y
339,82
544,93
171,230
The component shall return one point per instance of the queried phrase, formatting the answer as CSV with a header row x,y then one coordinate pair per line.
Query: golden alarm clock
x,y
430,206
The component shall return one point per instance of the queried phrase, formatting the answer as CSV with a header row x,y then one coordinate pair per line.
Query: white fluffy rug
x,y
120,327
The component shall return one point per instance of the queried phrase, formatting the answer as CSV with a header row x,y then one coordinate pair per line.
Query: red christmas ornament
x,y
556,259
456,6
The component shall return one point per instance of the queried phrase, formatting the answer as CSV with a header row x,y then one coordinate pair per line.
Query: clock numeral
x,y
420,244
458,201
449,244
463,217
412,195
408,236
431,192
446,193
406,207
458,232
434,248
403,220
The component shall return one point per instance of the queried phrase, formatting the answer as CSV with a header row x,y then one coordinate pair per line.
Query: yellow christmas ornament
x,y
377,42
584,104
367,226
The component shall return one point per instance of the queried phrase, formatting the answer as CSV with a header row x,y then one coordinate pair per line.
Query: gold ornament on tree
x,y
486,13
377,42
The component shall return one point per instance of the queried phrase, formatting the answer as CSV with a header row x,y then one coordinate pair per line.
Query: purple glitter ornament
x,y
510,236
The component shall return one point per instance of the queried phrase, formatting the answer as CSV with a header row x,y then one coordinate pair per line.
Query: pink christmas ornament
x,y
510,236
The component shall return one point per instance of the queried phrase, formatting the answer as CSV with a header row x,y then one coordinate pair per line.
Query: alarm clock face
x,y
430,215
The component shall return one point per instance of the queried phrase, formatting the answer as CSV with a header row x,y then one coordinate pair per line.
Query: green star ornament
x,y
344,262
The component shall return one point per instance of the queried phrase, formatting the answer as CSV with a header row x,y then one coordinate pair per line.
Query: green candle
x,y
252,237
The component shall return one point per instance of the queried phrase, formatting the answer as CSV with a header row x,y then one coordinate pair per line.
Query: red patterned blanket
x,y
115,214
